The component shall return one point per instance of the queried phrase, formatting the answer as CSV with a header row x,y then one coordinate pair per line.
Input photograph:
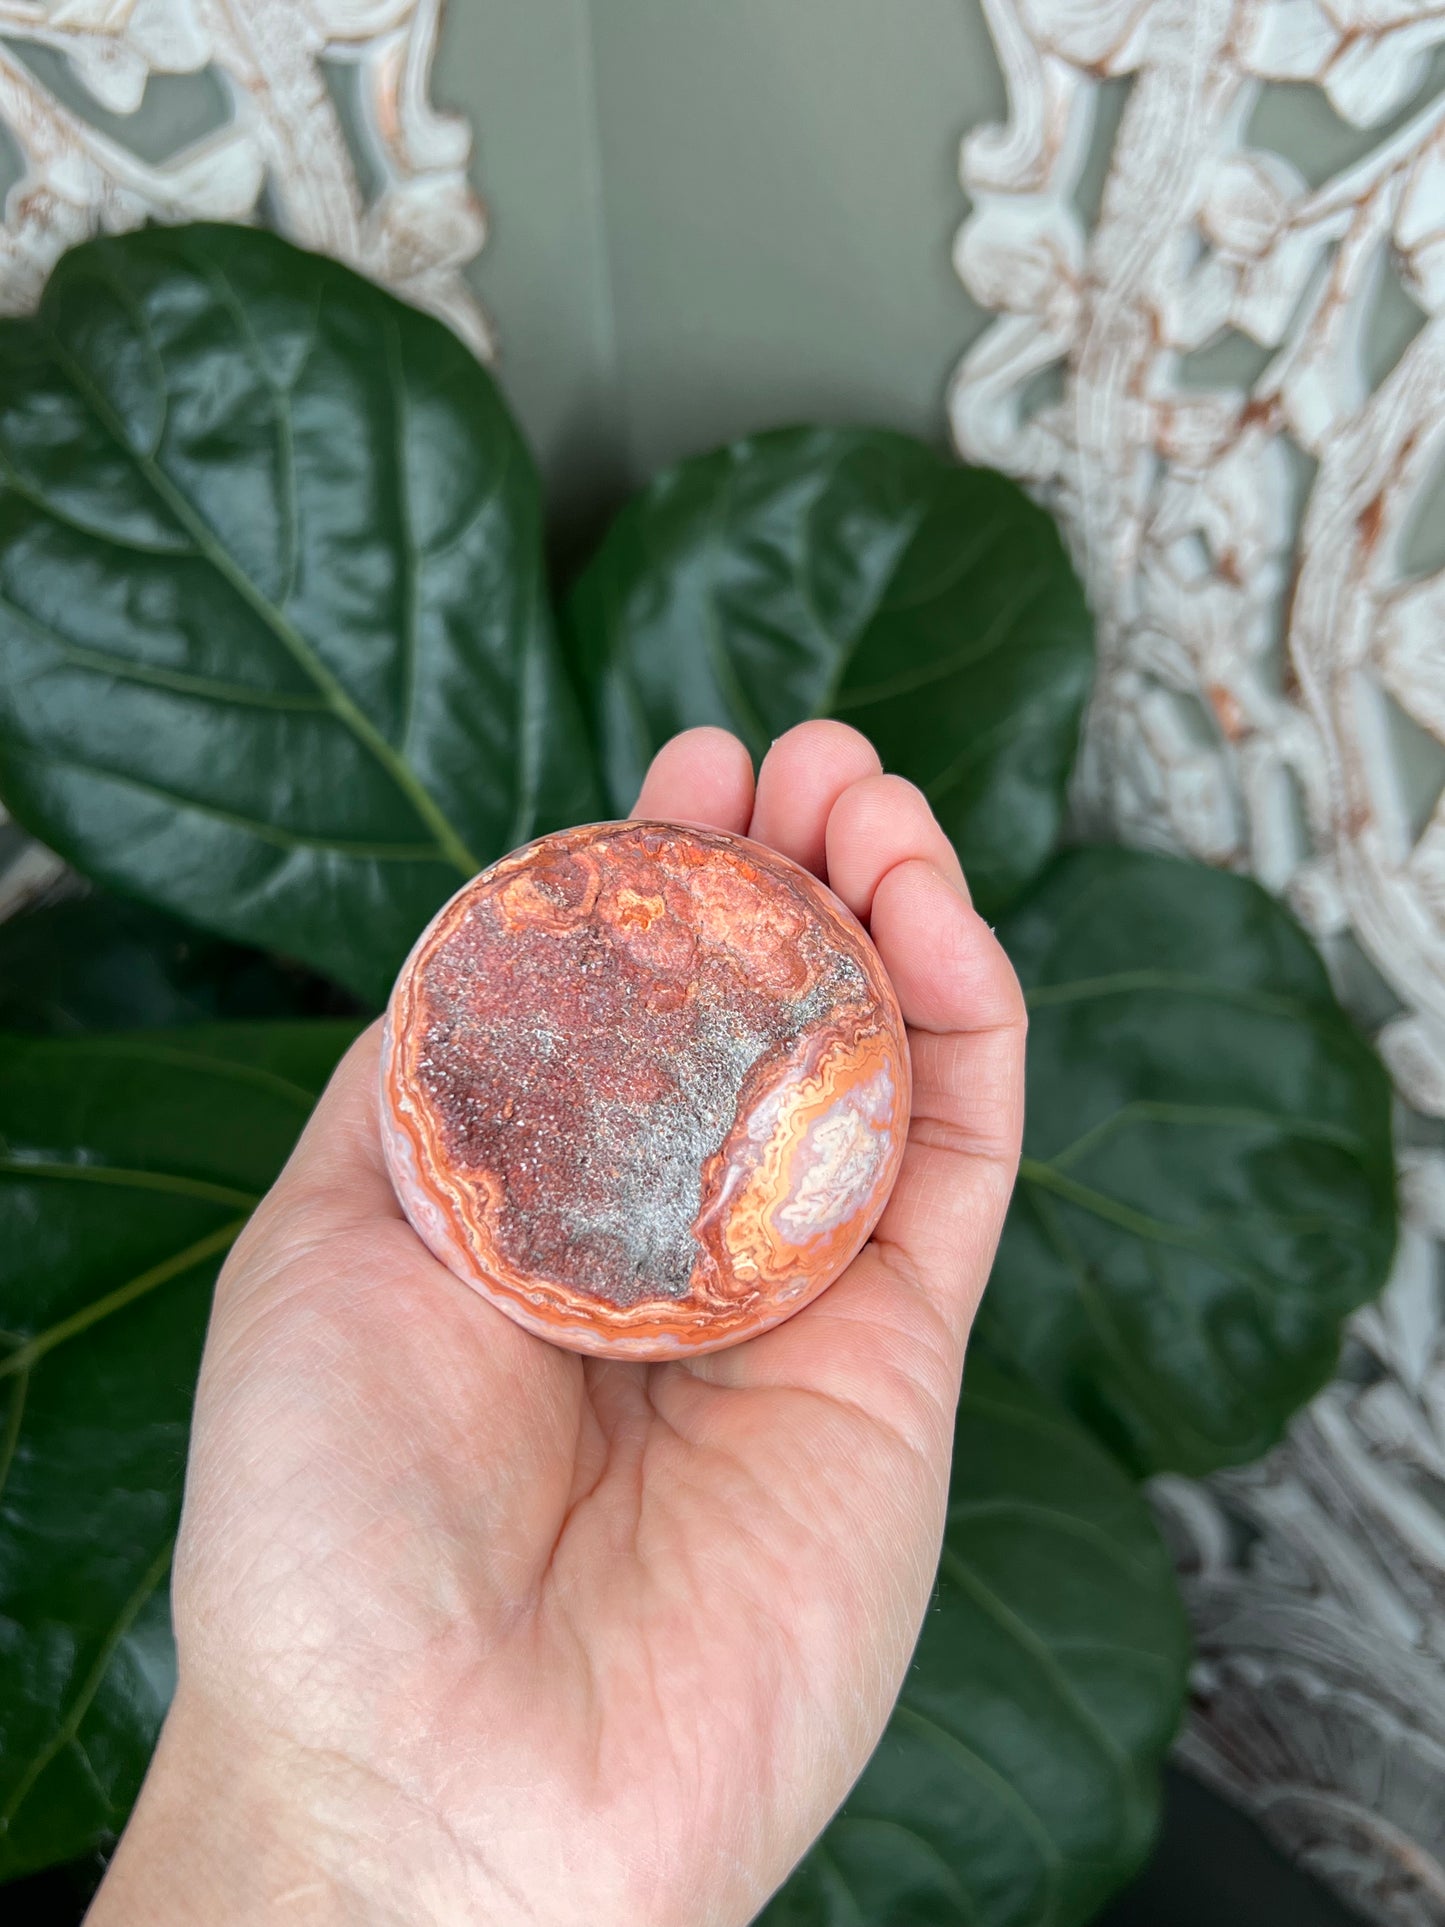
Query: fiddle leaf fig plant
x,y
1207,1186
1019,1775
128,1165
278,649
849,573
277,669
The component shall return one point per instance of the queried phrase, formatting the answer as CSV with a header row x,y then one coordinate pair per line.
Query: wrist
x,y
213,1837
232,1832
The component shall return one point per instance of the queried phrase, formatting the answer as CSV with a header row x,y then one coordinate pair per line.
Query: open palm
x,y
471,1628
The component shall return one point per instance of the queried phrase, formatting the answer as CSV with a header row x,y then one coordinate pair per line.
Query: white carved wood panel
x,y
1264,555
283,137
1272,649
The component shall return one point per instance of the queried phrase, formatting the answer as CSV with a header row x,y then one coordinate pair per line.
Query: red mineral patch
x,y
645,1087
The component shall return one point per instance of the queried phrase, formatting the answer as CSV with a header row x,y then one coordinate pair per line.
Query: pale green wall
x,y
522,71
712,215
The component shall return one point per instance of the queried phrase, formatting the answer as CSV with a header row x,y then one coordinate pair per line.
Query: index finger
x,y
702,776
337,1173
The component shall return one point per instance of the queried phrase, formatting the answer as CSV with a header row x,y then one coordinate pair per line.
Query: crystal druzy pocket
x,y
646,1087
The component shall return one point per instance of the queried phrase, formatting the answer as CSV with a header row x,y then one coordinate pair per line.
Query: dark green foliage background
x,y
277,666
128,1165
1207,1186
849,573
1020,1771
278,649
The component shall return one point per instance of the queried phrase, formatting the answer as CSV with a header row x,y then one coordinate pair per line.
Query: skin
x,y
472,1629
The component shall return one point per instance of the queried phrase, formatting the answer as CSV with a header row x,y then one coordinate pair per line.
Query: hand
x,y
473,1629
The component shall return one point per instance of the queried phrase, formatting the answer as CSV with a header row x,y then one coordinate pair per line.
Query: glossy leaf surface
x,y
849,573
1018,1780
127,1167
98,963
1208,1181
274,645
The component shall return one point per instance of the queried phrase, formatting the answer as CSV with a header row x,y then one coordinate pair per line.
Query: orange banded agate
x,y
645,1087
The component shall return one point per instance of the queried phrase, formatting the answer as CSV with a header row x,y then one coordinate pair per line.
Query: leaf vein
x,y
1205,1116
253,826
864,1821
1008,1795
1030,1642
124,1295
14,1419
146,1050
183,681
978,650
69,1725
448,841
1122,982
169,1183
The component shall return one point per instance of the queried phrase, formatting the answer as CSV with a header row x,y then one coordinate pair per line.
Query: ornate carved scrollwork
x,y
1271,696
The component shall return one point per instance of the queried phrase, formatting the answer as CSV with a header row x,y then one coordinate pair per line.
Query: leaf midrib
x,y
34,1349
69,1726
1031,1643
448,841
171,1183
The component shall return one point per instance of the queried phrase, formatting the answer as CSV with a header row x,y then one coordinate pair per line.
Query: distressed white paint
x,y
283,135
1243,548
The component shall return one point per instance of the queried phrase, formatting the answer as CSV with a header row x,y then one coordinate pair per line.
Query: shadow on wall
x,y
789,262
1215,1868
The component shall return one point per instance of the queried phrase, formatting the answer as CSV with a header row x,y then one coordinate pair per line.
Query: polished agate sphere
x,y
645,1087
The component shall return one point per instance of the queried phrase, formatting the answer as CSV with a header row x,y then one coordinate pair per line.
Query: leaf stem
x,y
171,1183
14,1418
35,1348
70,1725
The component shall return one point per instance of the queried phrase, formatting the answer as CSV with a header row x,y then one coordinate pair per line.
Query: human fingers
x,y
701,776
801,779
900,1316
876,824
966,1019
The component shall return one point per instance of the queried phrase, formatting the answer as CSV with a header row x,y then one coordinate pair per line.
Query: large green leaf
x,y
127,1166
1018,1781
850,573
98,963
274,644
1208,1182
